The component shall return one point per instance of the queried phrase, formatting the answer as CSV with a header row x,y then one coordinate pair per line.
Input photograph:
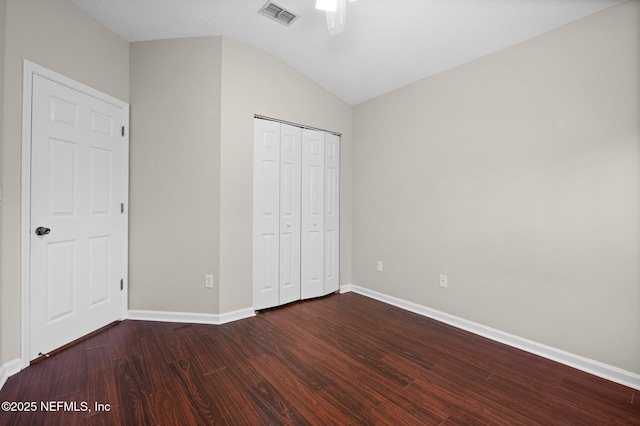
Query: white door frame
x,y
29,70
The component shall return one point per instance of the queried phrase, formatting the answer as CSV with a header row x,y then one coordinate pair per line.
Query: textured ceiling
x,y
386,44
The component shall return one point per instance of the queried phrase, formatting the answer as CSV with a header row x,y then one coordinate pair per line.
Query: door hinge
x,y
121,284
121,207
122,131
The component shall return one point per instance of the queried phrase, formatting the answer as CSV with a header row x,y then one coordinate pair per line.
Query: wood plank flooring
x,y
343,359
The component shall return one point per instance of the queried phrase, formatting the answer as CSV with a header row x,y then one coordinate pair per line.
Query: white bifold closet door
x,y
312,270
289,279
276,242
296,220
331,213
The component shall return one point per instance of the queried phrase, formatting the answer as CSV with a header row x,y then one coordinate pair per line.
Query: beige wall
x,y
192,107
59,36
518,176
254,82
175,174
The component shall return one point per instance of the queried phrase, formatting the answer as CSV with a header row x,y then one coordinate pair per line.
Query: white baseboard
x,y
596,368
187,317
236,315
346,288
12,367
8,369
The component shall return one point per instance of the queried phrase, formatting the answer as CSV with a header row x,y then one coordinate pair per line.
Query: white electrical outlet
x,y
208,281
443,281
379,266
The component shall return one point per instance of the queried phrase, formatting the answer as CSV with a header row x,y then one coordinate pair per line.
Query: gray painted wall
x,y
254,82
192,107
518,176
175,174
45,32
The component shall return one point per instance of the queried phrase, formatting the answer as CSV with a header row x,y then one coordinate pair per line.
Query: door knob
x,y
288,225
41,230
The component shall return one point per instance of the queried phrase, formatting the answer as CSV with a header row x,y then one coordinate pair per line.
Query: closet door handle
x,y
288,225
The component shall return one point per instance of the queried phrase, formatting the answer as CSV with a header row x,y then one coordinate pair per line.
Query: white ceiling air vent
x,y
277,13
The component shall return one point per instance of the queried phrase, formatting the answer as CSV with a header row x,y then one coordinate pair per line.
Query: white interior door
x,y
312,247
76,195
332,216
290,186
266,214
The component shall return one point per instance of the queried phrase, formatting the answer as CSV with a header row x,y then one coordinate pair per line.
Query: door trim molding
x,y
302,126
29,70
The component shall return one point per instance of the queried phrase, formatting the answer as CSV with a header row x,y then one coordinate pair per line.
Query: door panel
x,y
99,269
266,220
312,255
290,188
76,190
100,186
332,214
62,280
62,181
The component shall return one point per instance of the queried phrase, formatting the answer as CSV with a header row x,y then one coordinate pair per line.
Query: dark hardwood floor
x,y
343,359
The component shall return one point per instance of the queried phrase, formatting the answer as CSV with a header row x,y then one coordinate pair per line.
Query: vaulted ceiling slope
x,y
386,44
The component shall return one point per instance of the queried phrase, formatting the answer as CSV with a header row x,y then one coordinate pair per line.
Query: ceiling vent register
x,y
277,13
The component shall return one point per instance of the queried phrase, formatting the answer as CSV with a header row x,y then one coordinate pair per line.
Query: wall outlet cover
x,y
443,281
208,281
